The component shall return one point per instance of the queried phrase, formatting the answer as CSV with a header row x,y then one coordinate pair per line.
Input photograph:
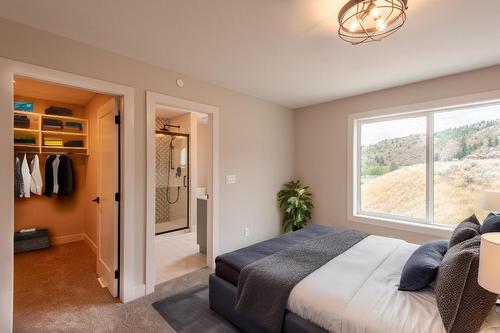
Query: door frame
x,y
152,101
8,70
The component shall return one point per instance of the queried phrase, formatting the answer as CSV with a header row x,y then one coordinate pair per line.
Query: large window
x,y
427,167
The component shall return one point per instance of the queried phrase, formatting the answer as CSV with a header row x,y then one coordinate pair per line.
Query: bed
x,y
354,291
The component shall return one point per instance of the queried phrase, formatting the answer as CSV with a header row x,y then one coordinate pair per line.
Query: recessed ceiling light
x,y
364,21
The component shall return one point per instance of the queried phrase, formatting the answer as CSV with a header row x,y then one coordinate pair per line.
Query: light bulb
x,y
354,26
375,12
380,24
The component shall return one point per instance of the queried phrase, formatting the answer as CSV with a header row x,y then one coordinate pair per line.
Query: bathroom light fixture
x,y
364,21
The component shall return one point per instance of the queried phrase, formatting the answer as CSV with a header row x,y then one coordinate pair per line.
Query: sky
x,y
372,133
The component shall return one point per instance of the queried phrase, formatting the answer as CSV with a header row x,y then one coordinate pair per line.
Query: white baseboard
x,y
66,239
90,243
139,291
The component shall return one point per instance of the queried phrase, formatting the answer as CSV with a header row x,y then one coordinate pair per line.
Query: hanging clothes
x,y
25,172
49,176
55,168
18,178
36,176
65,177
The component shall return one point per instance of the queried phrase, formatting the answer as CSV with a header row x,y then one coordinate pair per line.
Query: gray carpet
x,y
189,312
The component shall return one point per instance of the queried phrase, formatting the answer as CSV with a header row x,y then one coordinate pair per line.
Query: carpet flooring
x,y
56,290
189,312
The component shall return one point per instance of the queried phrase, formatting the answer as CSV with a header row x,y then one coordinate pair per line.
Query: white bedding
x,y
357,292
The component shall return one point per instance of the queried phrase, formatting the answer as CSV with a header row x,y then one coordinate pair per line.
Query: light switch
x,y
231,179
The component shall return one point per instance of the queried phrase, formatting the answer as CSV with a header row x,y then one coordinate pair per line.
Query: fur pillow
x,y
462,302
467,229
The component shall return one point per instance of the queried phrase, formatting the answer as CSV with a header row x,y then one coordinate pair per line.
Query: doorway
x,y
182,149
66,152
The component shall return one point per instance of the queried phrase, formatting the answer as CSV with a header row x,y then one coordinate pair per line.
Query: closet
x,y
66,148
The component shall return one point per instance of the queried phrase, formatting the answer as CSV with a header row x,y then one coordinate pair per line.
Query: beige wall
x,y
256,139
321,140
203,149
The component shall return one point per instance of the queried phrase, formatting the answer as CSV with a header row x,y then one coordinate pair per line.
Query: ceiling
x,y
52,92
286,52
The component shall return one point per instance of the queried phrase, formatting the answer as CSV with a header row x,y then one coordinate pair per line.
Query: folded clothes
x,y
59,111
25,140
21,121
51,141
73,125
74,143
52,122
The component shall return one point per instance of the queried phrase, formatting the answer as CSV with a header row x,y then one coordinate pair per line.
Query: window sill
x,y
426,229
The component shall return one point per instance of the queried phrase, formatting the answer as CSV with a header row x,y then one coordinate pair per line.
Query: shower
x,y
172,179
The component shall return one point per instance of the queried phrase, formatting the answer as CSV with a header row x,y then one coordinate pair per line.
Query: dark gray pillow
x,y
462,302
467,229
422,266
491,224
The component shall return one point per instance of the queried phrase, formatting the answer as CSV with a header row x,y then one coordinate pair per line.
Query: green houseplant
x,y
296,202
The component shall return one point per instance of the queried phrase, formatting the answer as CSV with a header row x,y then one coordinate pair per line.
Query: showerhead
x,y
172,142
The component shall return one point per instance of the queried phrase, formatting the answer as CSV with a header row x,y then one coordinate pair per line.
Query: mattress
x,y
357,292
228,266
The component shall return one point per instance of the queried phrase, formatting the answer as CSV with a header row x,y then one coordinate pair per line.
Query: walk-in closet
x,y
66,197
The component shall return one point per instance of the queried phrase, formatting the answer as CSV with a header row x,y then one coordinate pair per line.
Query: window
x,y
426,167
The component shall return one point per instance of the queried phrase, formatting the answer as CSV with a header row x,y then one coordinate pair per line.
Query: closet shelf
x,y
37,119
25,130
64,133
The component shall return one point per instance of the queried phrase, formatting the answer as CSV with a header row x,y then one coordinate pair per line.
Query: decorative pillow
x,y
422,266
462,302
491,224
467,229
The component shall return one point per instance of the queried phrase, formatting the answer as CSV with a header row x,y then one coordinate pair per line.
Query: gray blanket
x,y
264,286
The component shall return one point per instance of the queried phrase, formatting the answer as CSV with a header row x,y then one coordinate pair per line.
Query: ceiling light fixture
x,y
363,21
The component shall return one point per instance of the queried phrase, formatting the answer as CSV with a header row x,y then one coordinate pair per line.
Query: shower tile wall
x,y
165,211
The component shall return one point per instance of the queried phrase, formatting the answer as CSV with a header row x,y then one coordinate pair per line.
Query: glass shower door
x,y
172,182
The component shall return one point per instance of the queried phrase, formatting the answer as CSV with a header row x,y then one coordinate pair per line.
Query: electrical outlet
x,y
231,179
247,231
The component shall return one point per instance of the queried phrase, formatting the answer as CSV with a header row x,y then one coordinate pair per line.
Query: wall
x,y
321,140
251,202
91,180
203,145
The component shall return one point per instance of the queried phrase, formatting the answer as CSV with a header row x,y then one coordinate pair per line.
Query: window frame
x,y
427,110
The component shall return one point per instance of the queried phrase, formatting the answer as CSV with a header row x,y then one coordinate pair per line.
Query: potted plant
x,y
296,202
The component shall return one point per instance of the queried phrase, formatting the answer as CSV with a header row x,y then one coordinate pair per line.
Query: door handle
x,y
184,182
97,199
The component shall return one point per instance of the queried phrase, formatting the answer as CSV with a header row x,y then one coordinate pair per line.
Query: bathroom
x,y
182,158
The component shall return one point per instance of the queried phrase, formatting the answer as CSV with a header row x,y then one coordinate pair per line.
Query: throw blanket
x,y
264,286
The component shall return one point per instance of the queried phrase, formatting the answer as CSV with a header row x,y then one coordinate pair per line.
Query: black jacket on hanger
x,y
49,176
65,177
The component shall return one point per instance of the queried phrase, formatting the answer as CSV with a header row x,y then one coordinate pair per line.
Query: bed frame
x,y
222,298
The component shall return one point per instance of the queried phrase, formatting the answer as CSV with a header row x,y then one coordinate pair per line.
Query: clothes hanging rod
x,y
48,153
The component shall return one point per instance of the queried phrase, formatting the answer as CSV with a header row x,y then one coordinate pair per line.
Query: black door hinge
x,y
117,274
117,196
117,119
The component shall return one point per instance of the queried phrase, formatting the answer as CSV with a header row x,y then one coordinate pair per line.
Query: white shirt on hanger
x,y
25,171
55,169
36,176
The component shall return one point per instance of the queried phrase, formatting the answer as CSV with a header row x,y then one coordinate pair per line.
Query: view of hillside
x,y
467,160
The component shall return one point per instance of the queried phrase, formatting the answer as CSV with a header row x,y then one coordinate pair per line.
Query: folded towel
x,y
74,143
73,125
25,140
52,122
59,111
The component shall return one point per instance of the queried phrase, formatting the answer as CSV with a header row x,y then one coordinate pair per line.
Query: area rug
x,y
189,312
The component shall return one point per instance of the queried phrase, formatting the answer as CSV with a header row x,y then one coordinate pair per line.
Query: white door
x,y
107,216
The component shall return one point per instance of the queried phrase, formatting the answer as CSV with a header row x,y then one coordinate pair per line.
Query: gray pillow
x,y
467,229
422,266
491,224
462,302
